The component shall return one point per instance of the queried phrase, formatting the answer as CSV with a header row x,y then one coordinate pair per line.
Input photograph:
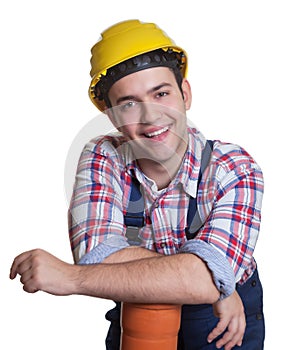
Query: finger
x,y
26,276
30,287
231,337
241,331
219,329
238,333
30,280
235,334
14,270
227,342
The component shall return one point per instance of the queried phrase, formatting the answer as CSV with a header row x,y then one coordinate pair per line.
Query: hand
x,y
230,312
40,270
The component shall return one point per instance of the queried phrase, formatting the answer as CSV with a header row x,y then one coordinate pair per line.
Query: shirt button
x,y
156,204
162,245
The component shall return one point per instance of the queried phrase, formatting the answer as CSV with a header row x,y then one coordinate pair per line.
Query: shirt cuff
x,y
103,250
222,273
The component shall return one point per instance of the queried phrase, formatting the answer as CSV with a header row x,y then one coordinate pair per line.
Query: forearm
x,y
130,254
178,279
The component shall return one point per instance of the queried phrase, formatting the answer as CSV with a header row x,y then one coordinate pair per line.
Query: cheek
x,y
128,130
177,107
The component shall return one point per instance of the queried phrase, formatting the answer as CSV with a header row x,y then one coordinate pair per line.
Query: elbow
x,y
200,286
207,293
202,294
213,296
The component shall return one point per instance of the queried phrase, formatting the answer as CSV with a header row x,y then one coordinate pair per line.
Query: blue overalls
x,y
197,321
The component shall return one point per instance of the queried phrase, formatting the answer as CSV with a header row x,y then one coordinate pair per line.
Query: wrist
x,y
76,279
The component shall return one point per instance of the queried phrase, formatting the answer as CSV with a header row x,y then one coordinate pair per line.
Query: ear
x,y
187,94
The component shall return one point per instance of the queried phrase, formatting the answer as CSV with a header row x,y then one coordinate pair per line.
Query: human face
x,y
150,110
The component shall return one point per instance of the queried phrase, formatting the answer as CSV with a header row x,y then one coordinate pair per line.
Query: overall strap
x,y
194,222
135,211
134,217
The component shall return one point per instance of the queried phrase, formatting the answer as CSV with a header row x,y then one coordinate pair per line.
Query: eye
x,y
161,94
127,105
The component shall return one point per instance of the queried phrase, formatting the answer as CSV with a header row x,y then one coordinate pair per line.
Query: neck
x,y
161,174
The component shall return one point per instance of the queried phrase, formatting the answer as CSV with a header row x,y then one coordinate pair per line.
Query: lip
x,y
156,132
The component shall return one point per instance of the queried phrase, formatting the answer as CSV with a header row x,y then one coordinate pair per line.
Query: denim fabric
x,y
197,321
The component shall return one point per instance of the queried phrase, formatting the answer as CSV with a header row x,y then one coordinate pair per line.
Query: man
x,y
206,265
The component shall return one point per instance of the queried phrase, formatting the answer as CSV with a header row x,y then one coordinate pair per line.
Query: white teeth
x,y
156,133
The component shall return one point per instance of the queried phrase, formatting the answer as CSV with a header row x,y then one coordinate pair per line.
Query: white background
x,y
235,60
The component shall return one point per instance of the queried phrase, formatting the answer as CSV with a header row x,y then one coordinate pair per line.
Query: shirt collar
x,y
188,172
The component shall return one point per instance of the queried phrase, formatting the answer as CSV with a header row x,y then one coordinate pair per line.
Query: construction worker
x,y
190,235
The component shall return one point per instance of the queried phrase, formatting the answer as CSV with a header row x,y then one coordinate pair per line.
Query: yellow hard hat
x,y
124,41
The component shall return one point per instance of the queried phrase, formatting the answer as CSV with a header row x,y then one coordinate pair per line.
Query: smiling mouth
x,y
157,132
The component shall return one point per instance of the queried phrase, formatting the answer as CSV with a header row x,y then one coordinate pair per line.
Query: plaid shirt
x,y
229,201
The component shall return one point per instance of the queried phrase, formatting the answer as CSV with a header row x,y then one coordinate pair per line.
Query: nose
x,y
150,113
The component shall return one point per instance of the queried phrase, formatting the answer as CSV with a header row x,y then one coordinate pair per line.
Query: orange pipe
x,y
149,326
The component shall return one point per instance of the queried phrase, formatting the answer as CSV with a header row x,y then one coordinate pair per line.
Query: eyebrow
x,y
153,89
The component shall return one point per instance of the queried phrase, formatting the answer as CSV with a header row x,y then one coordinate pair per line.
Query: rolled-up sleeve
x,y
227,239
95,214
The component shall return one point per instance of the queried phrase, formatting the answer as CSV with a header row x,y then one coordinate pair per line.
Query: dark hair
x,y
156,58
